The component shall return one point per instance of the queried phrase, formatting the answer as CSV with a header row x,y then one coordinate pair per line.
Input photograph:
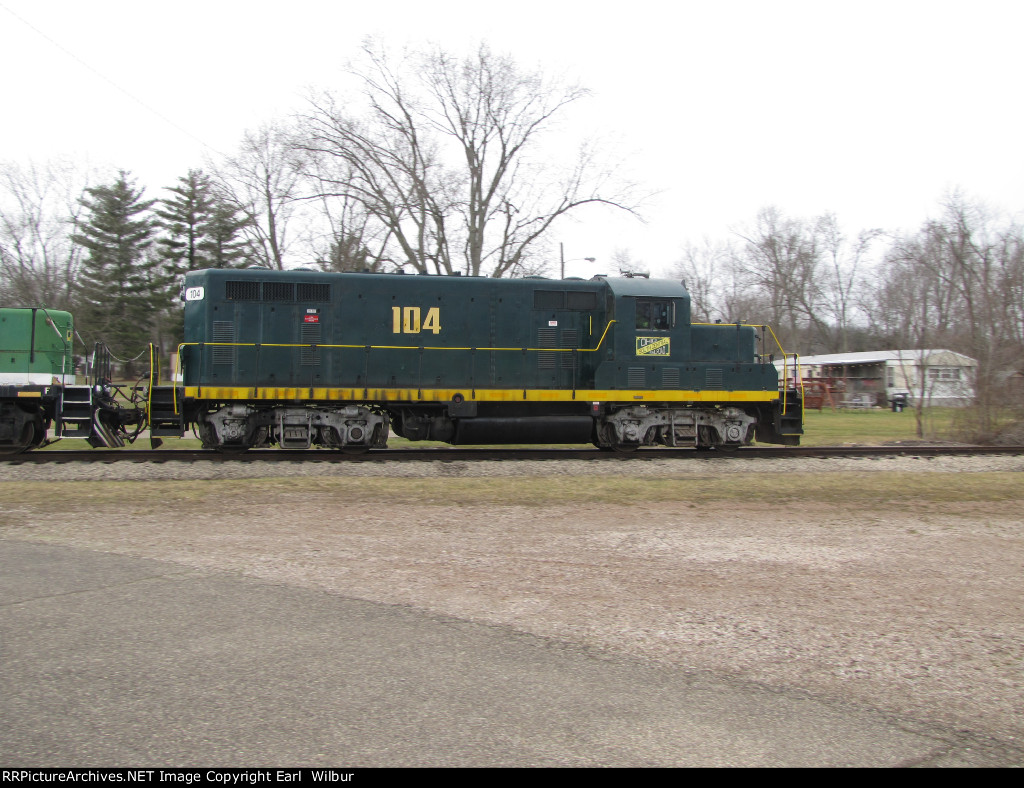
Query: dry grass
x,y
847,490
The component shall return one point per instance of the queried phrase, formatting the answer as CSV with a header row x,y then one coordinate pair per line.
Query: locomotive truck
x,y
302,359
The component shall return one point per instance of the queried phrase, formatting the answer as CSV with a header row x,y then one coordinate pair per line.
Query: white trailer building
x,y
873,379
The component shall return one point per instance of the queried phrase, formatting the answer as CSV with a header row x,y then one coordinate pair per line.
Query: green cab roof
x,y
648,288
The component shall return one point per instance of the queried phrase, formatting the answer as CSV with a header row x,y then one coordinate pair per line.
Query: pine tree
x,y
182,217
121,289
222,245
201,228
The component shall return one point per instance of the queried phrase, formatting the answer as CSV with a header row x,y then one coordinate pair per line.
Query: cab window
x,y
652,315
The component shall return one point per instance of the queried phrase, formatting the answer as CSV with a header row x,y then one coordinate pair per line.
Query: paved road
x,y
107,660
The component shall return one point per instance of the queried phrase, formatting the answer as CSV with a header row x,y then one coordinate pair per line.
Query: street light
x,y
561,257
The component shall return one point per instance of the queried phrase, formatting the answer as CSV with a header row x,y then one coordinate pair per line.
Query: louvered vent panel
x,y
636,377
713,379
546,337
224,331
670,378
309,334
570,339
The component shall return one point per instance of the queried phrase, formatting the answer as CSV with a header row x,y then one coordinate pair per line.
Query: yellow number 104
x,y
406,320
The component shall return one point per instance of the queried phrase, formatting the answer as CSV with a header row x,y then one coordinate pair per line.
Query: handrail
x,y
317,345
519,349
65,354
149,394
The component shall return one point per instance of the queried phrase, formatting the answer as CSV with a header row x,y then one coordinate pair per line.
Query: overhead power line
x,y
111,82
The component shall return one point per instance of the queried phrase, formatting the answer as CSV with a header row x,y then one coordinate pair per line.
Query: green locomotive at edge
x,y
36,346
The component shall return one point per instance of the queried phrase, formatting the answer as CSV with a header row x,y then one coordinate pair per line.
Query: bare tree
x,y
349,235
957,284
842,281
623,262
1009,254
442,158
912,309
978,264
705,271
781,260
804,277
264,182
39,205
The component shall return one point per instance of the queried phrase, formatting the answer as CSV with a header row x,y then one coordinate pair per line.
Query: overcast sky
x,y
870,110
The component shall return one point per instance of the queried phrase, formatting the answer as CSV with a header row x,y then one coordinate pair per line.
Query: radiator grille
x,y
713,379
278,291
312,291
242,291
247,290
670,378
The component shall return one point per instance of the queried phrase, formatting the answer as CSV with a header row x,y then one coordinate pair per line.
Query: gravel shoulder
x,y
914,608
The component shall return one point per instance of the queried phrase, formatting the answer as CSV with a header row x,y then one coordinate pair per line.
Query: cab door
x,y
659,342
557,330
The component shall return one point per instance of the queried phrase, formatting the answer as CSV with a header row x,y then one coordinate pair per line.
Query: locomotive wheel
x,y
608,441
32,435
208,436
38,435
204,432
23,444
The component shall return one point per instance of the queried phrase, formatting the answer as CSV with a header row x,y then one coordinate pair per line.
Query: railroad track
x,y
492,454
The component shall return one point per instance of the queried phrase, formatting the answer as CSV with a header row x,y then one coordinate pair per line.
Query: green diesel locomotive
x,y
305,358
40,394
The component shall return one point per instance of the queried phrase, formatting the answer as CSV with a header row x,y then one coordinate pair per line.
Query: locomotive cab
x,y
650,334
676,383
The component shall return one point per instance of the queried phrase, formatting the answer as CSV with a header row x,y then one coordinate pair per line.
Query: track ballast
x,y
496,454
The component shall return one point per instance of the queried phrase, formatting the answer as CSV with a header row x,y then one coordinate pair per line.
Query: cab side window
x,y
654,315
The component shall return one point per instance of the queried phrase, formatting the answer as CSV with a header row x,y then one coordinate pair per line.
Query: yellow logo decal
x,y
653,346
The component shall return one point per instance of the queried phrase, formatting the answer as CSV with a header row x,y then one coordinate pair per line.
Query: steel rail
x,y
491,454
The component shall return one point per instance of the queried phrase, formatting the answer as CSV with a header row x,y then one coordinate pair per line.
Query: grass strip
x,y
846,489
